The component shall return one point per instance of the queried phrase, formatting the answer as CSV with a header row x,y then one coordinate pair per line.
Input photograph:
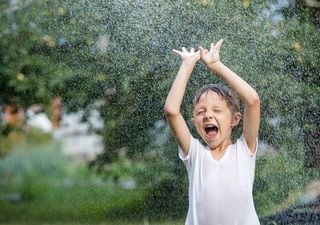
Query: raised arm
x,y
251,115
174,99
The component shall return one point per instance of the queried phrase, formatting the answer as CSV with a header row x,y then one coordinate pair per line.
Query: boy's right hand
x,y
189,57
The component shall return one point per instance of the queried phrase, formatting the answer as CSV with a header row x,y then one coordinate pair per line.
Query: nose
x,y
208,115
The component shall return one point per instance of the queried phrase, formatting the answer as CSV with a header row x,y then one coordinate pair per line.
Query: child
x,y
220,174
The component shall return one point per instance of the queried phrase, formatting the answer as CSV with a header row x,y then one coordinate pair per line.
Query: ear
x,y
235,119
192,120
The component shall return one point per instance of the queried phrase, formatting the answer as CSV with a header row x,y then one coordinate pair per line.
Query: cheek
x,y
226,121
197,123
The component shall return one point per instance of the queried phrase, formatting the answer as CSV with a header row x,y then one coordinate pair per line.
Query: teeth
x,y
209,125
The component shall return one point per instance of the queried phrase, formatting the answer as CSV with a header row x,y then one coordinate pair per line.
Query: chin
x,y
211,144
210,141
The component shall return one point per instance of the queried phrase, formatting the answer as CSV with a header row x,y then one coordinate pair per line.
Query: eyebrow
x,y
215,104
199,106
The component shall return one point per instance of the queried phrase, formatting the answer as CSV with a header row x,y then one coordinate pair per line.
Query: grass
x,y
75,202
52,191
145,222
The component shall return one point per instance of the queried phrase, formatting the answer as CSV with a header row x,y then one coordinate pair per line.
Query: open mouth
x,y
211,130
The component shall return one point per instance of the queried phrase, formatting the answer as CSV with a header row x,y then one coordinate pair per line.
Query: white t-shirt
x,y
220,191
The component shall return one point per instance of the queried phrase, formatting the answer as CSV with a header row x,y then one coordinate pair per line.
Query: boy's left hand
x,y
212,56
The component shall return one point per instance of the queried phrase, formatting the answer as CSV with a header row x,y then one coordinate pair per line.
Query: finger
x,y
202,51
177,51
192,50
218,45
198,53
184,49
212,47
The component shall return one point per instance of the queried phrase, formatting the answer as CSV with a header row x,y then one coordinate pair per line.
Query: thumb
x,y
202,51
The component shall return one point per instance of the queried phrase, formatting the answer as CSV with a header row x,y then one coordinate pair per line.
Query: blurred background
x,y
83,138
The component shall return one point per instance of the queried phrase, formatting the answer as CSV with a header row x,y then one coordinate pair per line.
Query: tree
x,y
120,52
38,63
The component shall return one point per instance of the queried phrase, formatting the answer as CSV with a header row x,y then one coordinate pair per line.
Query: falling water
x,y
120,53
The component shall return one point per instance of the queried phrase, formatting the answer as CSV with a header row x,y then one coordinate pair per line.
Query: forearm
x,y
176,93
241,87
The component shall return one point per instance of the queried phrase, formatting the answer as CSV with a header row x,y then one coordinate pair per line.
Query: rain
x,y
83,136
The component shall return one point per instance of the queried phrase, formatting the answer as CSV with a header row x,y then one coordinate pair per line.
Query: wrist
x,y
214,66
189,63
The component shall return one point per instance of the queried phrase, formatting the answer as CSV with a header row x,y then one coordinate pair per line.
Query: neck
x,y
222,146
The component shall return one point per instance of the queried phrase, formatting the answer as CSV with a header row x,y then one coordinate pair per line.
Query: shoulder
x,y
242,146
195,148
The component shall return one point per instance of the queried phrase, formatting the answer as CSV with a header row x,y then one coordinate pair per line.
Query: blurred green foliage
x,y
121,52
38,183
10,138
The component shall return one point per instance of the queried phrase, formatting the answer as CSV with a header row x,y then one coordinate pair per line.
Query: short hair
x,y
223,91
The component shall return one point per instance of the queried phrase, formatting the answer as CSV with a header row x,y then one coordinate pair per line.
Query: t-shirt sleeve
x,y
246,157
246,148
187,159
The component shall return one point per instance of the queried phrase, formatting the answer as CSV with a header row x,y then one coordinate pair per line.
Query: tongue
x,y
212,133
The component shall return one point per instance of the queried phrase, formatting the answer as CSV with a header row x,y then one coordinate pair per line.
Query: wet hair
x,y
223,91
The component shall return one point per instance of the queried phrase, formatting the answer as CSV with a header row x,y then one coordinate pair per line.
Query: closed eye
x,y
217,110
200,112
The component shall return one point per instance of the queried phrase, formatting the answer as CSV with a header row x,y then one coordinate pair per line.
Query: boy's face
x,y
213,119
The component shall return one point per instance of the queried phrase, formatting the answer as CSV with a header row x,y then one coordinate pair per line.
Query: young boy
x,y
220,174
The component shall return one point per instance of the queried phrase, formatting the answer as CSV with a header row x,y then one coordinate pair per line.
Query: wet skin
x,y
214,122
